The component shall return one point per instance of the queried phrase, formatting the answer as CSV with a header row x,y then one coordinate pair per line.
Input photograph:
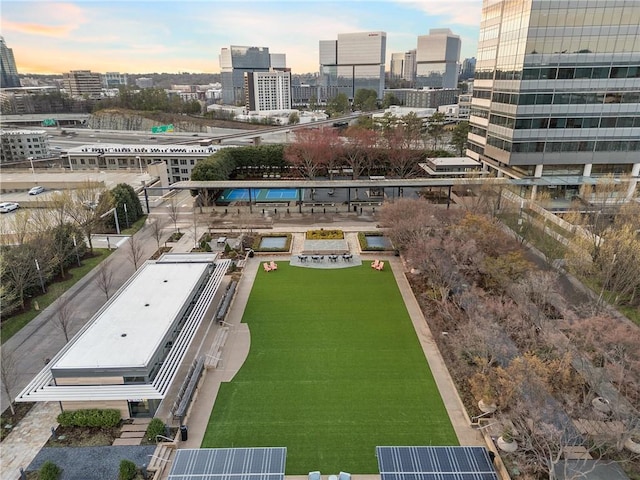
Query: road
x,y
42,339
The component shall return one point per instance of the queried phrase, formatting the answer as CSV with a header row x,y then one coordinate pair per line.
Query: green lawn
x,y
335,369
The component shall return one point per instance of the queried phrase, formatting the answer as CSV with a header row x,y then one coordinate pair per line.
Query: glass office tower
x,y
557,89
8,71
438,59
354,61
236,61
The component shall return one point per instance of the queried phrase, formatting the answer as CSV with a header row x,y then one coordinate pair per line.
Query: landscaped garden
x,y
335,369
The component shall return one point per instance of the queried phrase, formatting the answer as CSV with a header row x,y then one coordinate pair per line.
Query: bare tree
x,y
157,228
63,316
136,251
9,375
87,207
104,278
174,212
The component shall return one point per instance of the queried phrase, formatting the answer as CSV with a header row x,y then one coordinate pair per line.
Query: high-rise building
x,y
267,91
468,68
235,61
409,70
557,89
354,61
82,83
437,59
8,70
403,65
397,65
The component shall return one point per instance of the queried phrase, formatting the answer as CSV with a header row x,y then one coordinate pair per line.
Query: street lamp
x,y
126,214
75,246
33,170
40,276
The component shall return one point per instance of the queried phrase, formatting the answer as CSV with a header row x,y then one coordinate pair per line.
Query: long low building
x,y
179,160
127,355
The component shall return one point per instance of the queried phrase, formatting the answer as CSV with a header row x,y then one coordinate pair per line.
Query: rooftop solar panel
x,y
229,464
435,463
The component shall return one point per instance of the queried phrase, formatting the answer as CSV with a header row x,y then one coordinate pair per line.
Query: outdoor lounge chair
x,y
315,475
266,266
274,265
375,264
380,266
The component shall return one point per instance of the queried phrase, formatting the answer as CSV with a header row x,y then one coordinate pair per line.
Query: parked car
x,y
36,190
6,207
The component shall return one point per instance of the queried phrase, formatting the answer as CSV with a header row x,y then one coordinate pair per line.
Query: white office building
x,y
267,91
438,59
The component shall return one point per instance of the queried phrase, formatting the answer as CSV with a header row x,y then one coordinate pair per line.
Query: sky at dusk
x,y
186,36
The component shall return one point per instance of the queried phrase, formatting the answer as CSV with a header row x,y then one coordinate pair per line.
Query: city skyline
x,y
161,36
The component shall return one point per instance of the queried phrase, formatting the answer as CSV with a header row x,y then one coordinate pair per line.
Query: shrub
x,y
325,234
156,427
128,470
90,418
49,471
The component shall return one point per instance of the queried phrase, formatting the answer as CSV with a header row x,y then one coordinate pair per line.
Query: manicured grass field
x,y
335,369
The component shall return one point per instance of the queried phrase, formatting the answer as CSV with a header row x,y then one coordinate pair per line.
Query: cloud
x,y
59,31
455,12
49,19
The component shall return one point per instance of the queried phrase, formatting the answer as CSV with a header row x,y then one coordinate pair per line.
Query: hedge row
x,y
90,418
325,234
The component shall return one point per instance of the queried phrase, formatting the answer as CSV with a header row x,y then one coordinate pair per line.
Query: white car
x,y
36,190
6,207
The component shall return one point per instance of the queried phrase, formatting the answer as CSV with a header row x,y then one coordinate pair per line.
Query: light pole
x,y
75,246
126,214
33,171
40,276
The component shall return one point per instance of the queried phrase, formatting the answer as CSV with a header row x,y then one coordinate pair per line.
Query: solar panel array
x,y
435,463
229,464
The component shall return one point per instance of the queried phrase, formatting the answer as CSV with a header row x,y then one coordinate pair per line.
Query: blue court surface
x,y
260,195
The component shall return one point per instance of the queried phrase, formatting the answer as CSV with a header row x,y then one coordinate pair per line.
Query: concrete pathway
x,y
27,438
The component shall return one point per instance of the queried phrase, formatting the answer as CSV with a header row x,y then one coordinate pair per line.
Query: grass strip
x,y
12,325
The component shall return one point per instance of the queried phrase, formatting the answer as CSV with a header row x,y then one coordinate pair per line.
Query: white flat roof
x,y
130,149
454,161
129,330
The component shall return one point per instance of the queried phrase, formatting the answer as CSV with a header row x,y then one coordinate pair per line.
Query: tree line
x,y
149,100
40,244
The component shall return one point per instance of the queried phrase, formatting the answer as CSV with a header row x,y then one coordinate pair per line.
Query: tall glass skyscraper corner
x,y
557,88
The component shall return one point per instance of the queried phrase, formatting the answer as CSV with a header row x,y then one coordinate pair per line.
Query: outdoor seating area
x,y
325,260
270,266
378,265
341,476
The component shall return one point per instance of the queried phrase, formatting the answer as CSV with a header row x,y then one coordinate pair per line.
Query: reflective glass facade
x,y
557,87
236,61
438,59
354,61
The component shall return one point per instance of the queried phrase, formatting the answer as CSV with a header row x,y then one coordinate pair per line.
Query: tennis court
x,y
260,195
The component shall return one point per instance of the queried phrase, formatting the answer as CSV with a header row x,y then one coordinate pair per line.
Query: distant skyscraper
x,y
554,95
468,68
403,65
354,61
82,83
8,71
397,65
235,61
437,59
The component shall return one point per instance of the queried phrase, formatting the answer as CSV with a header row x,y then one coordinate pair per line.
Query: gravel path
x,y
91,463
